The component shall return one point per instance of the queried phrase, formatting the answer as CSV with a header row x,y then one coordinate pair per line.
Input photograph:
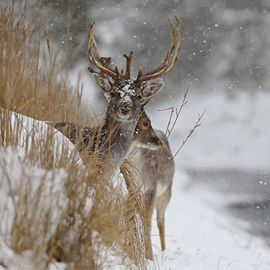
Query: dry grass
x,y
34,82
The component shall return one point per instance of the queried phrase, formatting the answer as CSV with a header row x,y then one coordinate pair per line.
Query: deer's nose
x,y
125,111
158,143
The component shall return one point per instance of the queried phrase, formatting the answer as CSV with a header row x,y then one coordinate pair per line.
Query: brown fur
x,y
154,169
112,140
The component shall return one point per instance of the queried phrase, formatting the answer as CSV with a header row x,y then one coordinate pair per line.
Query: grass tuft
x,y
62,209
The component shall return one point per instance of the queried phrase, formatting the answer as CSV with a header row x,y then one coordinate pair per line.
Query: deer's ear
x,y
103,83
152,87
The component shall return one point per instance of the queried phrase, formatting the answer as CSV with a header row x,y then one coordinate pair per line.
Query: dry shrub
x,y
105,216
100,220
34,80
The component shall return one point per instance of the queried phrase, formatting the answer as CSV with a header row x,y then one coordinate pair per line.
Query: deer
x,y
118,132
125,95
153,166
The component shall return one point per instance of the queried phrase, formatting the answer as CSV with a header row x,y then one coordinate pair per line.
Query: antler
x,y
99,62
165,67
129,59
103,63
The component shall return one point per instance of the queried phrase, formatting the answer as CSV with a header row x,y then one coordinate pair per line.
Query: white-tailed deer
x,y
154,169
113,138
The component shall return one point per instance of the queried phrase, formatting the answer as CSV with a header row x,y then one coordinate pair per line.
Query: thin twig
x,y
168,133
190,132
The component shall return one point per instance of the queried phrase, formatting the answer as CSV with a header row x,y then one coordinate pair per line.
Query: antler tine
x,y
105,62
165,67
91,58
92,41
178,45
168,54
139,74
129,60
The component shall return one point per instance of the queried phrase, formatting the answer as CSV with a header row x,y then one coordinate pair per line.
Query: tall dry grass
x,y
34,80
99,219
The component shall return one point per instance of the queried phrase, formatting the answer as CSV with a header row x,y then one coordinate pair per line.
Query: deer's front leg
x,y
149,199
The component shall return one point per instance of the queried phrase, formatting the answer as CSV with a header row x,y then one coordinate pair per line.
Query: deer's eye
x,y
146,124
113,94
139,97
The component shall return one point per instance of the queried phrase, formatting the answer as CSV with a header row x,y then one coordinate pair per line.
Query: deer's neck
x,y
119,136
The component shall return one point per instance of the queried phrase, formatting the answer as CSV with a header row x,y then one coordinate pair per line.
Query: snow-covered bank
x,y
32,198
40,190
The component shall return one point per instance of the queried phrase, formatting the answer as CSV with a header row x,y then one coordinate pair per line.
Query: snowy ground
x,y
200,233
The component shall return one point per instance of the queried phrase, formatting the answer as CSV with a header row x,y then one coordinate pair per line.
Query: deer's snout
x,y
125,107
157,142
125,111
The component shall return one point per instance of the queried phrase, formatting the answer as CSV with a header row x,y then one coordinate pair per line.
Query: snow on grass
x,y
29,192
27,189
45,191
36,134
12,261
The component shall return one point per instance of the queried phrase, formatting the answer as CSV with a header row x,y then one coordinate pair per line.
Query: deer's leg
x,y
149,209
146,216
161,204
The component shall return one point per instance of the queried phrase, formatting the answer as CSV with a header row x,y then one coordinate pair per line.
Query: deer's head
x,y
144,135
124,94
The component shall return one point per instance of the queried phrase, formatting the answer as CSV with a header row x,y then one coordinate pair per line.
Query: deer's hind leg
x,y
161,204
